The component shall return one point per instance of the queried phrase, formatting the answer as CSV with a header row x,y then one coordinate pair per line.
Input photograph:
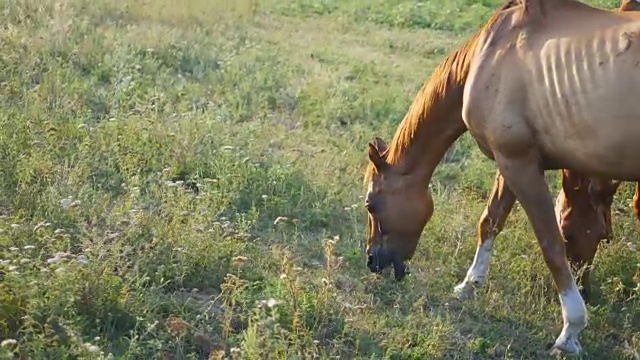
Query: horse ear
x,y
604,187
629,5
570,181
380,144
612,187
376,159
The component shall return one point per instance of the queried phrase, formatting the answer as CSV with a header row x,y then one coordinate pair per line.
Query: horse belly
x,y
586,115
602,137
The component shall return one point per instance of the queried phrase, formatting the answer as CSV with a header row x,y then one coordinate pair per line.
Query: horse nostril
x,y
370,260
368,206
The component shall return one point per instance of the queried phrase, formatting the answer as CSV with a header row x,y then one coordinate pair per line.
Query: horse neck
x,y
434,120
439,125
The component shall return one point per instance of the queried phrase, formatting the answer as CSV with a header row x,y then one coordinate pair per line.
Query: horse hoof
x,y
463,292
569,347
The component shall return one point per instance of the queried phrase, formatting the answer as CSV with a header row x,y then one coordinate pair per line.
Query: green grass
x,y
153,144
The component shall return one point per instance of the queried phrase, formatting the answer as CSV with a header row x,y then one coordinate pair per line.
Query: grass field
x,y
183,180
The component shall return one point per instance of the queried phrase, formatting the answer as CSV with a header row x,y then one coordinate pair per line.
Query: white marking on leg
x,y
574,317
480,267
478,271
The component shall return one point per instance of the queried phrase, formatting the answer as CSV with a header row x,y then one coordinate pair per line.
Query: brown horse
x,y
583,209
540,86
577,206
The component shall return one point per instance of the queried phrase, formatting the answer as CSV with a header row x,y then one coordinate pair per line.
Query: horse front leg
x,y
521,169
490,225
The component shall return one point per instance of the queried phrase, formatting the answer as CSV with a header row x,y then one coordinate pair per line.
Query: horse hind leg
x,y
490,225
519,164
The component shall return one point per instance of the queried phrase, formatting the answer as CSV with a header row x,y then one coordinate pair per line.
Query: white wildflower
x,y
53,260
280,219
63,255
24,261
8,342
66,202
29,247
69,202
82,259
59,257
265,197
60,270
272,303
13,248
92,348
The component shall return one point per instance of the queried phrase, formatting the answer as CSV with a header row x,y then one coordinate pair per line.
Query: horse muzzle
x,y
380,258
377,260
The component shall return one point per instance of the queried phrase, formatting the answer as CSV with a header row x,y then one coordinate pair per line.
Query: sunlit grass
x,y
183,180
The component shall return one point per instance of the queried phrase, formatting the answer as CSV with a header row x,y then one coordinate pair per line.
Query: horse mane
x,y
452,71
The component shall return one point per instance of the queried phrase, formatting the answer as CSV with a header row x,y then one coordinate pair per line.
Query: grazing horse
x,y
577,205
581,207
540,85
583,211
